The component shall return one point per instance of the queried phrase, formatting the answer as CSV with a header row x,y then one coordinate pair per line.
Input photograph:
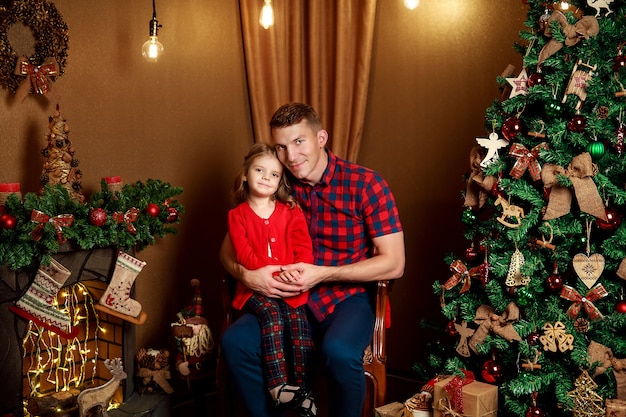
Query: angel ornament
x,y
493,143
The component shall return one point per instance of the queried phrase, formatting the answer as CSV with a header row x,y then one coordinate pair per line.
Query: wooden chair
x,y
374,357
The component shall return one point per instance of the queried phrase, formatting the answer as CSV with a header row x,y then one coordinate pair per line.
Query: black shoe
x,y
310,410
298,396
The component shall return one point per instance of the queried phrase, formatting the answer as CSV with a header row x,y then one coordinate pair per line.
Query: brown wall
x,y
185,120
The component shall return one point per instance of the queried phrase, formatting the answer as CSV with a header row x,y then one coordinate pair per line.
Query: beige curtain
x,y
318,52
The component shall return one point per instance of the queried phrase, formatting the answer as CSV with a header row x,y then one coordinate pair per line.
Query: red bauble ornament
x,y
619,62
7,221
577,123
614,219
534,411
172,214
451,328
533,338
153,210
471,253
555,283
512,127
536,79
620,307
491,371
98,216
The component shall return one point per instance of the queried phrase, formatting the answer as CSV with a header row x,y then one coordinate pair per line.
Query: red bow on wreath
x,y
594,294
37,75
526,160
131,216
58,222
461,273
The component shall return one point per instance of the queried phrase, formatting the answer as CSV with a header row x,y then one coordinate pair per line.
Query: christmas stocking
x,y
37,303
116,299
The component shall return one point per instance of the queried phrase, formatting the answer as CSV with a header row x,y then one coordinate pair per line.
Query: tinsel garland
x,y
49,29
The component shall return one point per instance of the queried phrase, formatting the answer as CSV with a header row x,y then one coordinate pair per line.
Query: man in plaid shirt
x,y
357,238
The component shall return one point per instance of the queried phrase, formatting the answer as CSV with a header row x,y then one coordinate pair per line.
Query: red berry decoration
x,y
7,221
451,328
577,123
172,214
620,307
533,339
512,127
491,371
153,210
97,216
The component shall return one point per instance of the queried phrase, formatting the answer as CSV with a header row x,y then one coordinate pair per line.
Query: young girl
x,y
268,228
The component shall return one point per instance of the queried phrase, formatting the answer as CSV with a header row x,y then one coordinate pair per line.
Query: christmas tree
x,y
537,300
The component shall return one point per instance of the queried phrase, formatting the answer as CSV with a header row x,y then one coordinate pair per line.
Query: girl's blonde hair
x,y
240,188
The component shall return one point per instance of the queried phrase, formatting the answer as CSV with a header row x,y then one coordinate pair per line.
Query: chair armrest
x,y
378,340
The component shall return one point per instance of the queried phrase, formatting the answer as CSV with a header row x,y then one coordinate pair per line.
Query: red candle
x,y
8,188
114,183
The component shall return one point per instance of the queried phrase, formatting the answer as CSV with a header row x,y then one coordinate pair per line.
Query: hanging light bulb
x,y
564,5
152,49
267,15
411,4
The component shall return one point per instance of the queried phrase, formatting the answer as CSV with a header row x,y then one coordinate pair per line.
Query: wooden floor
x,y
201,400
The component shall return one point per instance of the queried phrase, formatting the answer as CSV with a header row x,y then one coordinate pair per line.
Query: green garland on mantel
x,y
135,215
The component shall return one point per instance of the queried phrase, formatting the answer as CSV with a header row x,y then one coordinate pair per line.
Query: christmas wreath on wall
x,y
51,38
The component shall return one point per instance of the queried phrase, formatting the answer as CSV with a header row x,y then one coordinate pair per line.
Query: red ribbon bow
x,y
454,389
58,222
526,160
461,273
37,74
131,216
594,294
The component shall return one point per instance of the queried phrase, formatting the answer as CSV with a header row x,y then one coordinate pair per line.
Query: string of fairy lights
x,y
64,363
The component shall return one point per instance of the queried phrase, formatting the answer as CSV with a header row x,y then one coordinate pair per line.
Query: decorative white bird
x,y
492,144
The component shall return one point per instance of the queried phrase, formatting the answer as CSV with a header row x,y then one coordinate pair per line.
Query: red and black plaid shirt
x,y
345,210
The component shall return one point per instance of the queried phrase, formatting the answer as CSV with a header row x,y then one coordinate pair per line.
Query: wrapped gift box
x,y
479,399
389,410
615,408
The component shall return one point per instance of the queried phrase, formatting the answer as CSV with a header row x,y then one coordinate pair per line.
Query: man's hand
x,y
263,281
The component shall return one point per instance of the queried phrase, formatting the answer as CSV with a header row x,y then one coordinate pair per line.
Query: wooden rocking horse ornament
x,y
509,211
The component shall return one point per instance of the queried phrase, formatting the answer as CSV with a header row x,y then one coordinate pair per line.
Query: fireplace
x,y
36,361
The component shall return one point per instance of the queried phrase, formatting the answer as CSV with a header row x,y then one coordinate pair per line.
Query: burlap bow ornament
x,y
478,185
579,171
586,301
37,76
526,160
57,222
489,322
603,357
586,27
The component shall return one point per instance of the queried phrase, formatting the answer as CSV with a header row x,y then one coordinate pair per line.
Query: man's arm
x,y
258,280
387,263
